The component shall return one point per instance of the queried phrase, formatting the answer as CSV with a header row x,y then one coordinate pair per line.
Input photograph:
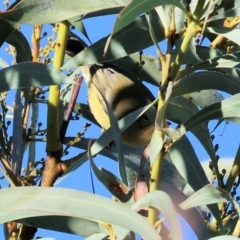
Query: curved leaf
x,y
132,156
206,195
226,9
161,201
225,237
18,40
224,61
66,224
179,110
186,161
197,54
84,110
136,8
198,81
41,12
120,44
40,201
192,216
117,139
107,137
30,74
103,12
226,109
6,29
78,24
231,34
97,236
149,72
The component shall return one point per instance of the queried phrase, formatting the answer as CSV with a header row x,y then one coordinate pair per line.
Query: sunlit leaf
x,y
226,109
34,201
30,74
222,80
231,34
225,237
41,12
135,8
187,163
226,9
120,45
179,110
161,201
206,195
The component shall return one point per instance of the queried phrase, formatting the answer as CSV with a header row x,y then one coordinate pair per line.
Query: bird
x,y
125,94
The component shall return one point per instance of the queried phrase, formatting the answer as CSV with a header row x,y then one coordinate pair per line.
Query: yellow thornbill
x,y
125,94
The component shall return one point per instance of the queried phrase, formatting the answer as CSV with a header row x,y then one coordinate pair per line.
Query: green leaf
x,y
78,24
224,61
103,12
149,72
186,161
225,237
226,109
206,195
6,29
65,224
223,80
166,207
26,202
226,9
192,216
120,45
136,8
107,137
231,34
42,12
117,139
30,74
112,183
97,236
19,41
179,110
84,110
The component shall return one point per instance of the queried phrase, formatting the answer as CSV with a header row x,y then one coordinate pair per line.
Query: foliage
x,y
197,45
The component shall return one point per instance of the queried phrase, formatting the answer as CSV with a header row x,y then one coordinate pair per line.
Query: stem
x,y
182,51
53,140
191,31
52,169
156,168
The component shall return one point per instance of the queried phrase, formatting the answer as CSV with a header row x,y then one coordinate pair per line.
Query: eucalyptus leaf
x,y
40,201
226,9
161,201
206,195
23,50
135,8
231,34
30,74
42,12
120,45
6,29
220,80
226,109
